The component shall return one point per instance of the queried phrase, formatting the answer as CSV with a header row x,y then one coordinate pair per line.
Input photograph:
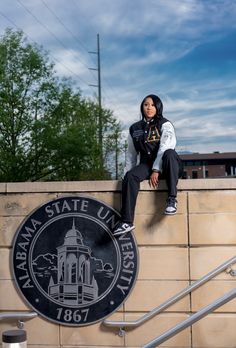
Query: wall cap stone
x,y
3,187
113,185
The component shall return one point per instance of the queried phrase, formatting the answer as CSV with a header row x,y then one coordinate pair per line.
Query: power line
x,y
65,27
50,32
84,47
70,32
60,42
104,79
42,24
9,20
31,39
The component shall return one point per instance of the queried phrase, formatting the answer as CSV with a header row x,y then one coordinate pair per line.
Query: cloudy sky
x,y
182,50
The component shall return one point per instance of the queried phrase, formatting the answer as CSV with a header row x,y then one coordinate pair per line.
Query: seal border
x,y
17,287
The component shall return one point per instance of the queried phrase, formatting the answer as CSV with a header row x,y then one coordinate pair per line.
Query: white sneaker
x,y
171,206
122,228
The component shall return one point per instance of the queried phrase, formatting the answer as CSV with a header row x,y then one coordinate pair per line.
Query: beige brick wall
x,y
173,251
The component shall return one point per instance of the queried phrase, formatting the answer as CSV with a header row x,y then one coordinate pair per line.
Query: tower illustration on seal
x,y
75,281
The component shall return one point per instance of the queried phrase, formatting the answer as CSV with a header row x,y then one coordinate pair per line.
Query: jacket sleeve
x,y
167,141
131,155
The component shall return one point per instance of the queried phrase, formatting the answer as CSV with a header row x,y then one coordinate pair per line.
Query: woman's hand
x,y
154,179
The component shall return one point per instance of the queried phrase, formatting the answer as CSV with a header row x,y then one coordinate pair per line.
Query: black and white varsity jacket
x,y
147,142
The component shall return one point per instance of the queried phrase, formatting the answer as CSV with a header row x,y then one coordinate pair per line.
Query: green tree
x,y
47,130
26,88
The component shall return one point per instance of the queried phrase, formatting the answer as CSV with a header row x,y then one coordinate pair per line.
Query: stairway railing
x,y
226,266
192,319
125,324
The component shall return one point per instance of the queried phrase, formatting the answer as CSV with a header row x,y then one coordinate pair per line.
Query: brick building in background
x,y
209,165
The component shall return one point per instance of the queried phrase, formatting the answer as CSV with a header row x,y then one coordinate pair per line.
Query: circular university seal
x,y
68,265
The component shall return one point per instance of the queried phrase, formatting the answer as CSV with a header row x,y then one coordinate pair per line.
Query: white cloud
x,y
135,38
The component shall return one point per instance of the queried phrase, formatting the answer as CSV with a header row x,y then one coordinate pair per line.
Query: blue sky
x,y
182,50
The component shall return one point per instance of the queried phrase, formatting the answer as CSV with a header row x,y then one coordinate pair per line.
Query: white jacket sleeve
x,y
131,155
167,141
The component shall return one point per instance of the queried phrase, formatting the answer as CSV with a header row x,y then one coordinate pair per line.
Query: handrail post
x,y
19,316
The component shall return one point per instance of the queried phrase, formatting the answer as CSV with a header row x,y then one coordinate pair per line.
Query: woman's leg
x,y
172,170
130,189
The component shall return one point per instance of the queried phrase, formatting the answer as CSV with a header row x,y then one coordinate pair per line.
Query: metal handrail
x,y
192,319
17,315
174,299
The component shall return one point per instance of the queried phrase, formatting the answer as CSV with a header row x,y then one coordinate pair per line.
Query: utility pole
x,y
116,154
98,69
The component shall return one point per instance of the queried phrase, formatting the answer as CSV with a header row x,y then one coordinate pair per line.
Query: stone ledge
x,y
63,186
197,184
113,185
3,187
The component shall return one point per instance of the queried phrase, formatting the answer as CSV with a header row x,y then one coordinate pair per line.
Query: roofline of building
x,y
208,156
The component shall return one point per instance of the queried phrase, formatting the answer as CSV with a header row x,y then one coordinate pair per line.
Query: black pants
x,y
171,171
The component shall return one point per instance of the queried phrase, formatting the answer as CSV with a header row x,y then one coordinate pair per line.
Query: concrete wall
x,y
174,250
